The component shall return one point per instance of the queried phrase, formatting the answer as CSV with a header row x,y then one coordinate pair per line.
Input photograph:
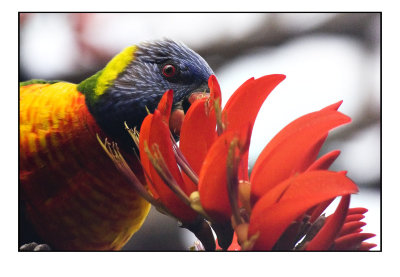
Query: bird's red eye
x,y
169,70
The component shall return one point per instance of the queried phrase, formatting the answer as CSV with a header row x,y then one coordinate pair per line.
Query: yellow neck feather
x,y
113,68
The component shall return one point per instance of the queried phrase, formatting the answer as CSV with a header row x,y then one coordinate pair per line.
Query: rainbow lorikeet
x,y
71,196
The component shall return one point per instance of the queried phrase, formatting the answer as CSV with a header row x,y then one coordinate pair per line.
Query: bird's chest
x,y
74,194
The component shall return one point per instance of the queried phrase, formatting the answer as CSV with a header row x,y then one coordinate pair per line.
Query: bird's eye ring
x,y
169,70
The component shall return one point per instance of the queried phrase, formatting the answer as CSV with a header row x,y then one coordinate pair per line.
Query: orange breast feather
x,y
73,194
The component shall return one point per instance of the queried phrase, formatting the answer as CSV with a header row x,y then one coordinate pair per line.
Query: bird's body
x,y
70,191
67,181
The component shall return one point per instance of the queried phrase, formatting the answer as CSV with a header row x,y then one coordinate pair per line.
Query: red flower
x,y
286,180
155,142
279,206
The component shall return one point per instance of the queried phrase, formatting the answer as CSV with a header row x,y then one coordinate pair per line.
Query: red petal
x,y
322,163
197,134
271,222
215,90
160,135
242,107
365,246
165,105
293,149
325,161
334,106
272,215
357,210
351,227
213,180
354,217
198,131
311,184
144,159
325,237
317,211
351,241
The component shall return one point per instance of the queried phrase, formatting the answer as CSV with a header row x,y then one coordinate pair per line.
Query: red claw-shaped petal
x,y
352,241
366,246
165,105
354,217
215,90
160,135
155,132
325,161
293,149
213,180
355,214
175,118
357,210
351,227
242,108
325,237
334,107
144,159
274,212
198,133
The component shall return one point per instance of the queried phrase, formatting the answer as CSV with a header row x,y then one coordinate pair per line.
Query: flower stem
x,y
183,163
218,114
232,179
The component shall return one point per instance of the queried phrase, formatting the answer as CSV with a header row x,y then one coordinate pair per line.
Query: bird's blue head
x,y
136,79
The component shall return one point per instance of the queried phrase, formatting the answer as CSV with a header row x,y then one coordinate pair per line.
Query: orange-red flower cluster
x,y
279,206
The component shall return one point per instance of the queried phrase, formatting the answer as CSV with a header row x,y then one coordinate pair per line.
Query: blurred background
x,y
326,57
